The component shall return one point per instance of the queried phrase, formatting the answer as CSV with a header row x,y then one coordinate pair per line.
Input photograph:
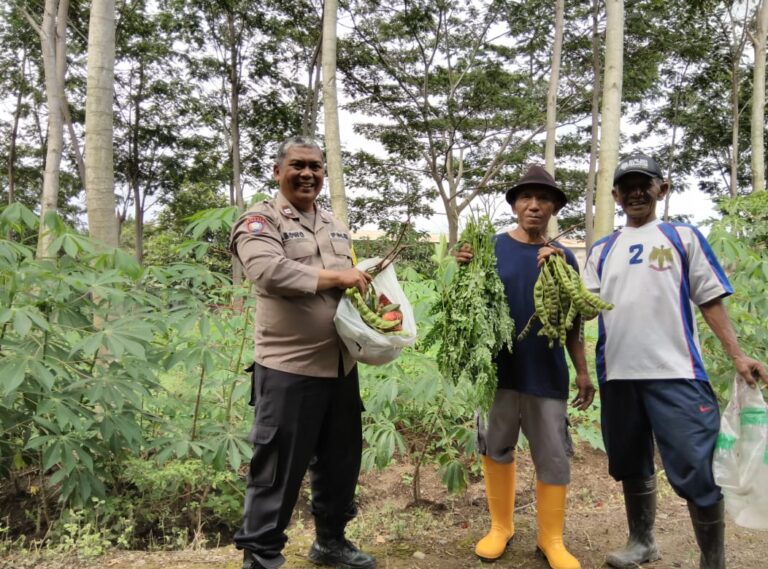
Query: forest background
x,y
132,132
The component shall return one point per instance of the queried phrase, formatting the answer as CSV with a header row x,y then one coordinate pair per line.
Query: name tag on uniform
x,y
289,235
256,224
339,235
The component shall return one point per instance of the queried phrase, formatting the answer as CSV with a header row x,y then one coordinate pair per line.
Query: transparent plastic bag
x,y
740,463
364,343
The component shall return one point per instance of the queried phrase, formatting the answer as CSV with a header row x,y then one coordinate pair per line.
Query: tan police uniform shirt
x,y
283,253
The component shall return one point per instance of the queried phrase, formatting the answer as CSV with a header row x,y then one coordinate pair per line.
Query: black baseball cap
x,y
637,163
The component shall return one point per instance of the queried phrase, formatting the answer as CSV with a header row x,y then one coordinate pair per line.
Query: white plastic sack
x,y
740,463
364,343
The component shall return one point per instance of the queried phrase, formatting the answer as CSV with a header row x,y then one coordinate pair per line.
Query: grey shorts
x,y
544,423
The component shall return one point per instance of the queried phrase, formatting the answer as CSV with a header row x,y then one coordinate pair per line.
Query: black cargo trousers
x,y
300,423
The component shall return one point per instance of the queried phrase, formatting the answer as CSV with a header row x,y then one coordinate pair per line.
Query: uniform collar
x,y
285,207
287,210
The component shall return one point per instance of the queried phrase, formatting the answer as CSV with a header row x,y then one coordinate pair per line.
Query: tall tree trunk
x,y
234,105
134,169
78,156
452,216
53,39
314,84
758,98
331,114
739,24
670,168
138,213
15,133
99,155
589,198
735,112
554,83
673,143
611,116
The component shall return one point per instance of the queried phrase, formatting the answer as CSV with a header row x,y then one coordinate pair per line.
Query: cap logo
x,y
256,224
635,163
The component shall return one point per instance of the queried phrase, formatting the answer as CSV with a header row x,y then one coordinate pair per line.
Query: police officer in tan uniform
x,y
305,385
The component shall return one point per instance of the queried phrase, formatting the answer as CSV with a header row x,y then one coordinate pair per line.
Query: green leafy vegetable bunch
x,y
472,320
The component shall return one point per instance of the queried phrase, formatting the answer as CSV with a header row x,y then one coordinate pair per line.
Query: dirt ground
x,y
441,534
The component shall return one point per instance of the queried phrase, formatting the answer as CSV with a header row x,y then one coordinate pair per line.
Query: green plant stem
x,y
420,461
197,402
93,363
243,340
5,325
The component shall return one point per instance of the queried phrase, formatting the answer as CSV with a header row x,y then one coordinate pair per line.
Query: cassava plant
x,y
740,241
155,378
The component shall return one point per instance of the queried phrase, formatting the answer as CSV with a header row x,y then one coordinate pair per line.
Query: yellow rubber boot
x,y
550,514
500,492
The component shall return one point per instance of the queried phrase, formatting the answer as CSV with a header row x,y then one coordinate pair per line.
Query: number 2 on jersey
x,y
637,250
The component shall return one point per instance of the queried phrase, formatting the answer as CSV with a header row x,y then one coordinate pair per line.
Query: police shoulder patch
x,y
256,224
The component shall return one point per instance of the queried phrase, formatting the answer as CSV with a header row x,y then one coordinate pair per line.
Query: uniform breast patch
x,y
256,224
340,235
290,235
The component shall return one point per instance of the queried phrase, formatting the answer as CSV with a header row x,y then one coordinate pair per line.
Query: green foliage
x,y
417,254
413,410
88,340
382,193
585,425
473,322
195,225
123,389
79,532
459,103
740,241
180,494
155,506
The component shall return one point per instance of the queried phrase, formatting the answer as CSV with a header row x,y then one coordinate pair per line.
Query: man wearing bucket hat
x,y
653,385
532,383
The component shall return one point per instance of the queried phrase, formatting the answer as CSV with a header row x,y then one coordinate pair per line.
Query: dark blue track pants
x,y
683,417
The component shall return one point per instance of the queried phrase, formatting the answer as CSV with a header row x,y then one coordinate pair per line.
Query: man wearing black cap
x,y
532,383
652,379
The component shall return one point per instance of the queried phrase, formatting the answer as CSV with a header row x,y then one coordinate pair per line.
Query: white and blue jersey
x,y
654,275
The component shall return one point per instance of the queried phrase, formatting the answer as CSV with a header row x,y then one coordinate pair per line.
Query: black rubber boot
x,y
640,502
709,527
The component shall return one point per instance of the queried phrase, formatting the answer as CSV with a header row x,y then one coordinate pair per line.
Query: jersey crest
x,y
661,256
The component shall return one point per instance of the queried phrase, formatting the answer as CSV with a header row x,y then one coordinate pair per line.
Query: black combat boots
x,y
339,552
250,561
